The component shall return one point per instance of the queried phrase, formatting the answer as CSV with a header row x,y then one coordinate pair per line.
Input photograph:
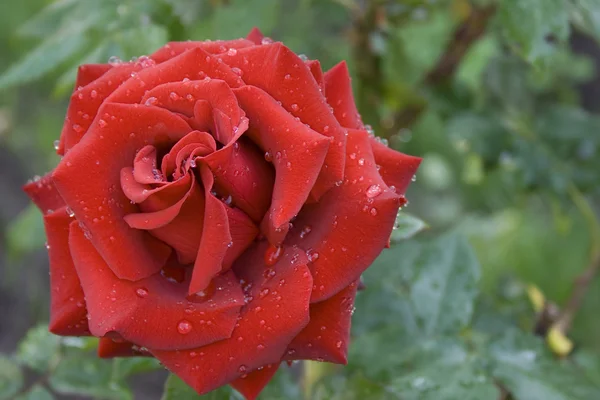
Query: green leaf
x,y
140,40
586,15
429,287
47,21
11,378
26,232
176,389
46,57
123,367
84,374
39,350
524,366
466,380
528,23
406,226
36,393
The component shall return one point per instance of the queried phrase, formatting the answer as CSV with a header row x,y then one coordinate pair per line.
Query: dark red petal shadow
x,y
88,178
67,302
348,228
268,323
154,311
327,335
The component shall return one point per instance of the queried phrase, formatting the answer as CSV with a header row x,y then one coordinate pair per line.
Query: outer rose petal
x,y
173,49
397,169
255,36
109,348
67,305
282,74
317,72
88,179
253,383
350,225
297,152
338,91
327,335
44,194
194,64
152,312
277,311
86,101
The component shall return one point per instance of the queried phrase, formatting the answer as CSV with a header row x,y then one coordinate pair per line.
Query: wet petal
x,y
297,153
252,384
85,102
255,36
338,90
351,224
397,169
173,49
215,240
67,304
109,348
268,323
153,312
282,74
315,69
43,193
327,335
95,164
193,64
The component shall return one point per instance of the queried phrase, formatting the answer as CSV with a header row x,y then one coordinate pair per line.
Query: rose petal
x,y
43,193
397,169
67,304
251,385
109,348
240,171
145,169
173,49
216,237
87,73
297,152
242,231
255,36
193,64
327,335
182,97
152,312
315,69
268,323
139,192
86,101
200,143
88,179
282,74
348,228
338,90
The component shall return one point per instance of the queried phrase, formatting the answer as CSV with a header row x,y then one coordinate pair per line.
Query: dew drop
x,y
272,255
268,156
56,144
184,327
374,191
305,231
373,211
312,255
141,292
102,123
295,107
150,101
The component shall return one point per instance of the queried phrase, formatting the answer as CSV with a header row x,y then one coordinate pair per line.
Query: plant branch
x,y
583,281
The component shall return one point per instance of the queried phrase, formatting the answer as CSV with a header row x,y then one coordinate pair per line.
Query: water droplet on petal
x,y
268,156
373,211
295,107
272,255
374,191
141,292
305,231
312,255
184,327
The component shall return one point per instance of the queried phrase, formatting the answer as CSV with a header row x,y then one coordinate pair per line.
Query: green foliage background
x,y
508,188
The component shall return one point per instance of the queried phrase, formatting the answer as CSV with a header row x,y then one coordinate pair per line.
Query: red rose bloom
x,y
215,207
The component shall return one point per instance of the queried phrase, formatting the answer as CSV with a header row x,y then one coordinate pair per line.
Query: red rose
x,y
215,207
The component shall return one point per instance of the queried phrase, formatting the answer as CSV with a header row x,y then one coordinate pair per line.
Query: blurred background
x,y
500,98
